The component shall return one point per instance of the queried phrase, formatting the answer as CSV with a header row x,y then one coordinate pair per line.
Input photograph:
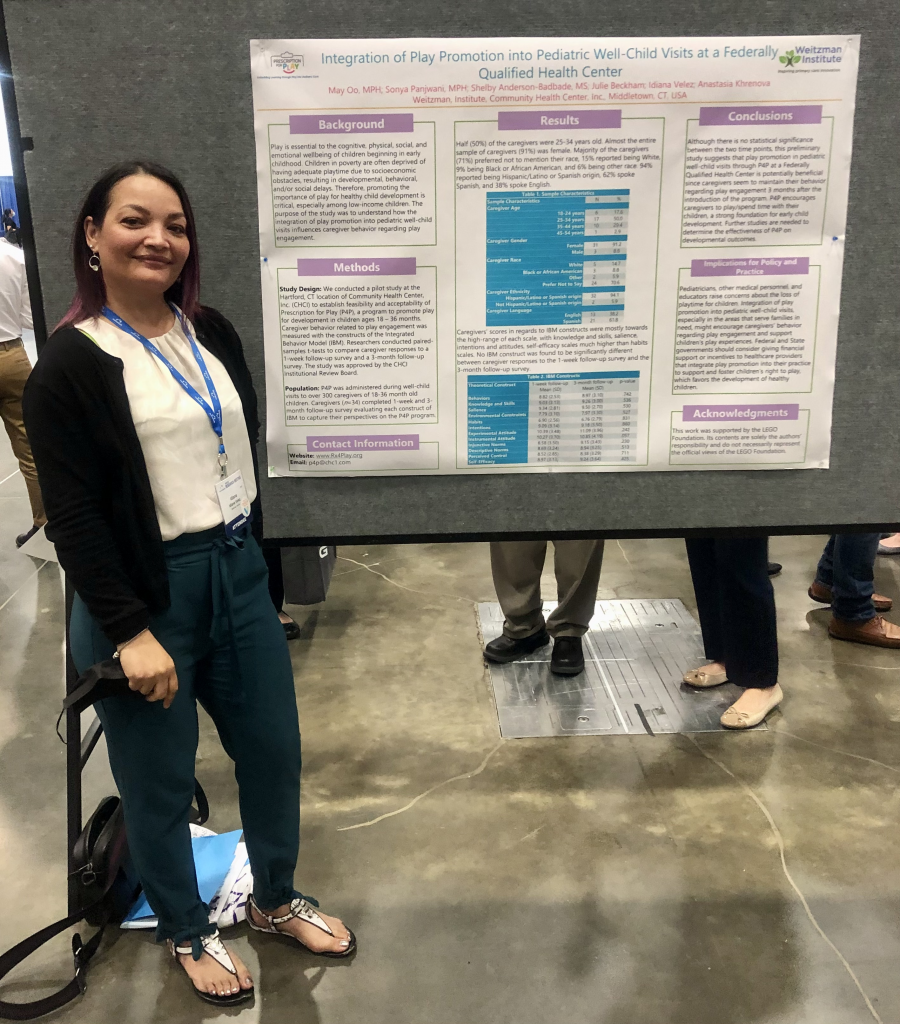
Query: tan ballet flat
x,y
703,680
733,719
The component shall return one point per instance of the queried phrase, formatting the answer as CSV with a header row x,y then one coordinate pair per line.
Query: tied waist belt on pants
x,y
221,550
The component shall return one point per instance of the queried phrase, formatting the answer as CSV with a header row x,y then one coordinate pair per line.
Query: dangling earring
x,y
92,264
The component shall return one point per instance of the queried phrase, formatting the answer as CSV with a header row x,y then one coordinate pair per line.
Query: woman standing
x,y
143,421
736,605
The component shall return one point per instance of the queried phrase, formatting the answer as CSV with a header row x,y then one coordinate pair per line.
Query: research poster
x,y
551,255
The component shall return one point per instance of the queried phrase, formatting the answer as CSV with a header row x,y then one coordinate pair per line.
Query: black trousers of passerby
x,y
272,556
736,605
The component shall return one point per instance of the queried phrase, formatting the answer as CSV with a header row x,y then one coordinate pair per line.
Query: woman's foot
x,y
889,545
752,707
291,629
703,678
308,934
207,975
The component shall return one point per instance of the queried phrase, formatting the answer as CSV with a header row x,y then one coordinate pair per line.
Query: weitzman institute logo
x,y
809,57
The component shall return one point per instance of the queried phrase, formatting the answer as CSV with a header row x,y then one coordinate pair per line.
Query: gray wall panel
x,y
100,81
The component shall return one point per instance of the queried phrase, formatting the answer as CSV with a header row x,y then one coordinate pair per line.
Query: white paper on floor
x,y
39,547
223,878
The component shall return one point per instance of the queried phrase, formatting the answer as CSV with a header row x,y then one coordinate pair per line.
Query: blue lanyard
x,y
213,410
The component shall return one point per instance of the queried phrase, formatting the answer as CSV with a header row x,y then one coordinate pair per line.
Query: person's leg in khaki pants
x,y
14,371
577,564
517,567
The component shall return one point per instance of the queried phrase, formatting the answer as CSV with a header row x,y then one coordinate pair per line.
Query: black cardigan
x,y
100,510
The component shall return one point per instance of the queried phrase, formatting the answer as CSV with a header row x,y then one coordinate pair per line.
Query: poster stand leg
x,y
79,748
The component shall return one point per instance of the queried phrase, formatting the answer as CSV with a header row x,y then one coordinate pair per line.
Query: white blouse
x,y
179,444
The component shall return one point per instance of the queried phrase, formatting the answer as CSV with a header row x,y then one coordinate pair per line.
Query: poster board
x,y
551,255
177,88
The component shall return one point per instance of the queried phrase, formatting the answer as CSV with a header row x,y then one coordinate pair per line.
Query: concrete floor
x,y
625,880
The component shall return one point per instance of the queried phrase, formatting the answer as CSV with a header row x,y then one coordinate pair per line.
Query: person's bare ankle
x,y
753,697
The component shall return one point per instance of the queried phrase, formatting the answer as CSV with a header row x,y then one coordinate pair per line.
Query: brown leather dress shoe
x,y
877,631
819,592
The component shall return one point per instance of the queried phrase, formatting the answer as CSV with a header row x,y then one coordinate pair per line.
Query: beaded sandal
x,y
213,945
301,908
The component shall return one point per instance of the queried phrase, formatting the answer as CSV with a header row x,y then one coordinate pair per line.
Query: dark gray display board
x,y
102,81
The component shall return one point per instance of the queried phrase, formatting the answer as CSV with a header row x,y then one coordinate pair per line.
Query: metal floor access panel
x,y
635,655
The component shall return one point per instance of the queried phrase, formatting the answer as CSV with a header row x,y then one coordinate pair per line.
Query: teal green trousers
x,y
231,656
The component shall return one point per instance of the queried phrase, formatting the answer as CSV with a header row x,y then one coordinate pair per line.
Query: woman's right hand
x,y
149,668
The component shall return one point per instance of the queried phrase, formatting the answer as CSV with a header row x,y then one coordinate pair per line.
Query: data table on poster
x,y
546,419
556,257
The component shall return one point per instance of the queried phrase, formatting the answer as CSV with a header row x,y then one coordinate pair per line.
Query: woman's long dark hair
x,y
90,293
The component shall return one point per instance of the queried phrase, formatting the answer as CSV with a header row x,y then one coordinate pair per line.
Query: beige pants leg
x,y
14,371
517,565
577,564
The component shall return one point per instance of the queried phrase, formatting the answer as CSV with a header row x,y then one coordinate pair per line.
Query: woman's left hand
x,y
149,668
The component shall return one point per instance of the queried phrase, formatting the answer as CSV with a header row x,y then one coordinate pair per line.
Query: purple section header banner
x,y
750,266
730,413
749,116
554,120
354,124
375,266
362,443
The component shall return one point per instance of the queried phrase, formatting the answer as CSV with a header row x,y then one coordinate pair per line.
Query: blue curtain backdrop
x,y
8,195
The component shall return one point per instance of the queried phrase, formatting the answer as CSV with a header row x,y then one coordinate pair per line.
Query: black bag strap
x,y
82,951
202,816
105,679
79,693
92,838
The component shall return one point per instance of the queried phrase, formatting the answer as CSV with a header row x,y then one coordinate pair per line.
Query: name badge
x,y
233,501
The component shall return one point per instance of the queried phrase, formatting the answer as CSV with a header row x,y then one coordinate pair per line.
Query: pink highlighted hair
x,y
90,293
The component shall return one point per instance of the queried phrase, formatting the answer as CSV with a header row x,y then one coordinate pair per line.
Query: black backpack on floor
x,y
105,879
107,888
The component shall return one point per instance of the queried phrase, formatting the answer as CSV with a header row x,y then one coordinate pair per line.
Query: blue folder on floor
x,y
212,859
